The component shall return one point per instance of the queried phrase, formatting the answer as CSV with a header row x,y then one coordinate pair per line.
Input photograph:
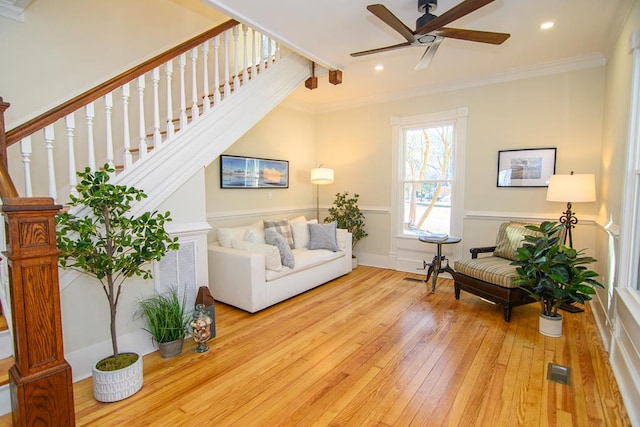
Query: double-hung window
x,y
429,170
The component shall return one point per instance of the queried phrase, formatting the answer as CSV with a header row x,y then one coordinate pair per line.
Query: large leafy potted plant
x,y
106,243
166,320
553,274
348,216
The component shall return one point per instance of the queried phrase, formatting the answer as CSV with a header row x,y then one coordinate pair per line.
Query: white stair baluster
x,y
236,68
142,132
126,142
277,52
195,110
182,63
155,81
263,62
227,87
49,138
70,123
108,108
91,150
25,150
216,70
269,50
245,57
168,70
206,101
254,69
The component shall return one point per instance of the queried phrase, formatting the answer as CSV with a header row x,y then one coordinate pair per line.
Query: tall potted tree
x,y
553,274
348,216
110,245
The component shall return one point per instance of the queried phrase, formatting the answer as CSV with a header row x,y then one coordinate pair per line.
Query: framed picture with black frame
x,y
253,172
529,167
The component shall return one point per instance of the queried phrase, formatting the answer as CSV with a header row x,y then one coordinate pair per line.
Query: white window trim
x,y
628,271
398,124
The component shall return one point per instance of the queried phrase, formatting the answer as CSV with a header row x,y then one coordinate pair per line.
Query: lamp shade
x,y
572,188
321,176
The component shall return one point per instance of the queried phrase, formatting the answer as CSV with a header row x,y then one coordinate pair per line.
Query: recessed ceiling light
x,y
546,25
379,67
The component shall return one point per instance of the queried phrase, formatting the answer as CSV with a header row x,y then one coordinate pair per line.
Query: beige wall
x,y
285,134
65,47
562,110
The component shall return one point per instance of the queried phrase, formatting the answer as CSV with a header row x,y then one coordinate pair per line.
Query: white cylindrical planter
x,y
550,326
112,386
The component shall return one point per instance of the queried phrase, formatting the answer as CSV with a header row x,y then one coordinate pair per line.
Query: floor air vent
x,y
413,279
558,373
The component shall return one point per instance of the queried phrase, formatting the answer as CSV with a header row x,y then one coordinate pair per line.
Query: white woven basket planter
x,y
112,386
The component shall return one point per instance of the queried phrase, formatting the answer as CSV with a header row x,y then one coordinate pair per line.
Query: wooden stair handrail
x,y
56,113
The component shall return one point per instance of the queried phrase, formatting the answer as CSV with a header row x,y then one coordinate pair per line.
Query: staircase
x,y
202,89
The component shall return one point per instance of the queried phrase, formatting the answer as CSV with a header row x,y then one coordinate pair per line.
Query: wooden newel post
x,y
40,381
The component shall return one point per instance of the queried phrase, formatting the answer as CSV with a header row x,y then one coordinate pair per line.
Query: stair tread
x,y
5,364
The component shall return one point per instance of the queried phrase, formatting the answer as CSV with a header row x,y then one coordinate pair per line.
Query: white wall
x,y
65,47
618,310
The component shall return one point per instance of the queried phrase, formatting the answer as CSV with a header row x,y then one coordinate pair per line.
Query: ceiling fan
x,y
430,29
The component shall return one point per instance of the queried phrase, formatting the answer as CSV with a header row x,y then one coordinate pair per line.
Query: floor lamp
x,y
571,189
320,176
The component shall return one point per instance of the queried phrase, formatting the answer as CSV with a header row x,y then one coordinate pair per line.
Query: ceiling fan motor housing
x,y
427,5
427,17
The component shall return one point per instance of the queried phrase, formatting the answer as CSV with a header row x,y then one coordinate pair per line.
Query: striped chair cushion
x,y
510,238
492,269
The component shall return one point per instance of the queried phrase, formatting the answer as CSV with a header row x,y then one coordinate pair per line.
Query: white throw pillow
x,y
301,233
271,253
255,233
226,235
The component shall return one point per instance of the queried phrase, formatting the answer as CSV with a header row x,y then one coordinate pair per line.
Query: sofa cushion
x,y
272,237
510,238
323,236
226,235
281,227
492,269
271,253
301,232
305,260
255,233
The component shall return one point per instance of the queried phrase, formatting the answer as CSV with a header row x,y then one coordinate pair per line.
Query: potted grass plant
x,y
347,215
107,243
166,320
553,274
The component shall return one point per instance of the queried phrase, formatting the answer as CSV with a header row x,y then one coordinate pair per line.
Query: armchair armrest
x,y
481,250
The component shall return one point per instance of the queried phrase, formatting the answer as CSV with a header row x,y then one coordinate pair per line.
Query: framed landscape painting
x,y
530,167
252,172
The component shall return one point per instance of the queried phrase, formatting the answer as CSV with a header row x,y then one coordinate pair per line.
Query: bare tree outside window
x,y
428,178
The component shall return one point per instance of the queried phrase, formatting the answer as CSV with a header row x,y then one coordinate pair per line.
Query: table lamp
x,y
320,176
571,189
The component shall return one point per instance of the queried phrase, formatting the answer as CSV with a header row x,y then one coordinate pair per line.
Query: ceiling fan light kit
x,y
430,29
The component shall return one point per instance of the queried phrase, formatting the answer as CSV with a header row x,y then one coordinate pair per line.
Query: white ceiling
x,y
328,30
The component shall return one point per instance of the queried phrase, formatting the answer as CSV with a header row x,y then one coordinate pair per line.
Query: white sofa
x,y
238,261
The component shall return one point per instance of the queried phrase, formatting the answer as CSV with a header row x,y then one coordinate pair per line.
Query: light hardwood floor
x,y
373,348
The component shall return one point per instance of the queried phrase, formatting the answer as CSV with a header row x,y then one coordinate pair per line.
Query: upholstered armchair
x,y
489,273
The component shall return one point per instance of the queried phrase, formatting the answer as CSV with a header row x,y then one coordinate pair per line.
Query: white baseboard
x,y
5,400
6,345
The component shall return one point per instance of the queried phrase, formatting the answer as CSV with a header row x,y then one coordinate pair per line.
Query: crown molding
x,y
518,73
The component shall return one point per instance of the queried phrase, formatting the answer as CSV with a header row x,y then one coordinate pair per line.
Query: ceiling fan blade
x,y
381,49
391,20
472,35
428,54
452,14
